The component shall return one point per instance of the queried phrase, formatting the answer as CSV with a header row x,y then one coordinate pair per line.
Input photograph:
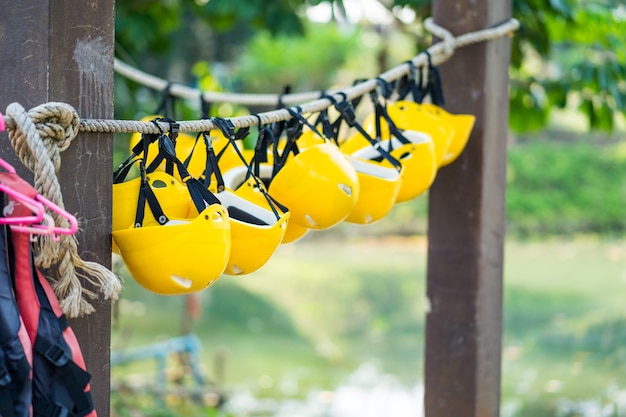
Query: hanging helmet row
x,y
203,206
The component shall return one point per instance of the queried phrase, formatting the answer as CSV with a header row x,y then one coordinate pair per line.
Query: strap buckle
x,y
57,355
5,377
56,410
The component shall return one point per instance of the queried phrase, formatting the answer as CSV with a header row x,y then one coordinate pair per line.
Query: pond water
x,y
367,392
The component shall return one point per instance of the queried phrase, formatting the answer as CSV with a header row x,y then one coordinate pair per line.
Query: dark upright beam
x,y
54,50
466,224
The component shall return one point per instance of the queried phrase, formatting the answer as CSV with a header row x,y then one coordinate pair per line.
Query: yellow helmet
x,y
417,156
318,185
294,233
257,223
462,124
414,150
408,115
379,187
184,255
167,253
237,178
172,196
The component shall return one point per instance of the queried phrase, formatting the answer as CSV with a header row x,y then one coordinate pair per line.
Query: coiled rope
x,y
38,137
42,133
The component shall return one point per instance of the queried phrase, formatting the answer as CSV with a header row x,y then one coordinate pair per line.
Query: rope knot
x,y
54,125
38,137
56,121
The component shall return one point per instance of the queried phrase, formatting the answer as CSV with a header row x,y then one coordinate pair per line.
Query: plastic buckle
x,y
5,377
347,112
57,356
56,410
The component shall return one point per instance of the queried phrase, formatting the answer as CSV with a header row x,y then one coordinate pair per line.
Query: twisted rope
x,y
38,137
439,52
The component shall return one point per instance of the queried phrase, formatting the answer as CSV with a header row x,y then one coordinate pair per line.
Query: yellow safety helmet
x,y
415,151
417,156
379,187
166,253
318,185
408,115
257,223
185,255
462,124
294,233
237,179
171,194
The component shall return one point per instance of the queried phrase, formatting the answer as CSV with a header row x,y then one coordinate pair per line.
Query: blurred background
x,y
333,325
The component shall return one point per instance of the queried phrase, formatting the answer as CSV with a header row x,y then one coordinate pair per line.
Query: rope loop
x,y
38,137
447,38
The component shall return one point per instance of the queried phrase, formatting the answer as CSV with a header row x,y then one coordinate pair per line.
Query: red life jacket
x,y
15,348
60,383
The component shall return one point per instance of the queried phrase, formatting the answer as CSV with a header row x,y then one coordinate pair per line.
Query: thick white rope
x,y
439,52
38,136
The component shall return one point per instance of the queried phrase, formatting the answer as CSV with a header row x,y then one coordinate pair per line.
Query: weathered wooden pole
x,y
53,50
466,224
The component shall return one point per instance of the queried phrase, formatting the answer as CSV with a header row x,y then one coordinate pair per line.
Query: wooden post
x,y
466,224
55,50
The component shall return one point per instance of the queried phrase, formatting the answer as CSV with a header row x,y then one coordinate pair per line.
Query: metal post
x,y
466,224
57,50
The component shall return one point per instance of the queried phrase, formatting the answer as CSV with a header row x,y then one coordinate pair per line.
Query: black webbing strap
x,y
348,114
6,383
45,408
265,134
409,83
205,108
433,85
140,148
200,195
265,138
211,166
146,193
167,105
72,376
381,113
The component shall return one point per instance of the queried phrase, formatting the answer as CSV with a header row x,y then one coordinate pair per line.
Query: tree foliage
x,y
567,53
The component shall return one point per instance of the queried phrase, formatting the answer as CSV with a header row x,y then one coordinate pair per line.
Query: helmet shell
x,y
318,185
408,115
180,257
171,194
247,188
255,231
462,125
379,187
419,165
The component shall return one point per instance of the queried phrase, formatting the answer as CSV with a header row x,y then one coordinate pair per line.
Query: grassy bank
x,y
320,308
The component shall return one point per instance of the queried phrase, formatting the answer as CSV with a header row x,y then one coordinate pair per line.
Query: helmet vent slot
x,y
159,184
346,189
183,282
310,220
243,216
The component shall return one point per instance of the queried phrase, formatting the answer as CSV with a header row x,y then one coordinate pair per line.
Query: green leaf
x,y
562,7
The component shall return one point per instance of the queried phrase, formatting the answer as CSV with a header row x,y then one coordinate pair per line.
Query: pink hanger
x,y
3,125
14,185
19,198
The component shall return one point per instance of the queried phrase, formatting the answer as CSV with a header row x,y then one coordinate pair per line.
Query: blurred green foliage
x,y
304,63
567,53
566,188
554,187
